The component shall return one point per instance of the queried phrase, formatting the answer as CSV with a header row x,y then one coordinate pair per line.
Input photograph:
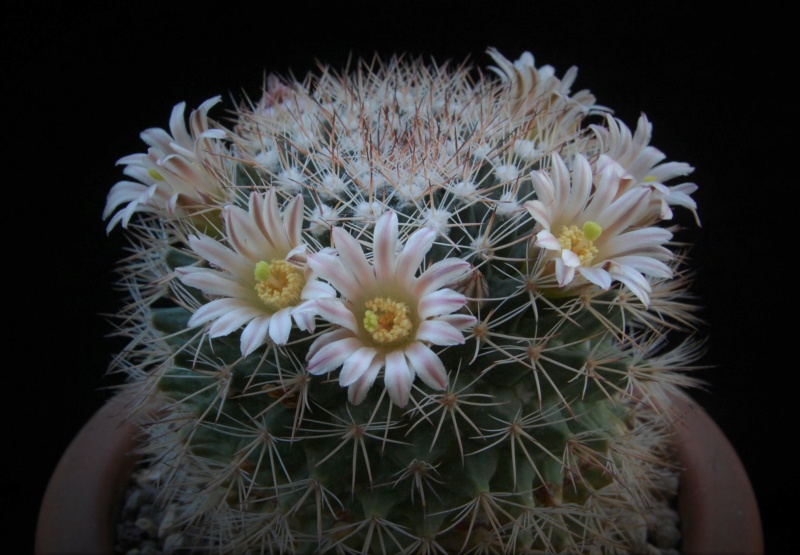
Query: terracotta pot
x,y
77,515
717,505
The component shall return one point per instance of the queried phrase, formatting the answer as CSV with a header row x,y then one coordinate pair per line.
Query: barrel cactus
x,y
407,308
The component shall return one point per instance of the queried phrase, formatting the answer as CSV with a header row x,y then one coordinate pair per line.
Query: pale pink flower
x,y
261,280
642,165
590,231
387,317
183,169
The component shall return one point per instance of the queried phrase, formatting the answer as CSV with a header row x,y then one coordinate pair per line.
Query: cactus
x,y
407,308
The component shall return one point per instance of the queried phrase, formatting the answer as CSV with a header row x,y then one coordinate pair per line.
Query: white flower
x,y
181,172
386,317
590,230
261,281
642,164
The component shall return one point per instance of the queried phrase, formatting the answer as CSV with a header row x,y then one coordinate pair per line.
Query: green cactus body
x,y
543,425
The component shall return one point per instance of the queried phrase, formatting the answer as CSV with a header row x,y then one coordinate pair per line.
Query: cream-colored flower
x,y
587,229
387,317
261,280
183,171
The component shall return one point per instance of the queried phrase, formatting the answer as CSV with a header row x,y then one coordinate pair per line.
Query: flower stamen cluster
x,y
388,321
279,284
580,242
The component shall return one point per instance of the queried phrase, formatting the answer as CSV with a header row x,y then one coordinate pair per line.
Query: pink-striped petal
x,y
646,265
358,390
461,322
439,332
281,326
385,246
332,355
233,320
565,274
254,335
327,338
427,365
537,209
356,365
293,220
441,274
443,301
219,255
547,240
246,237
398,378
316,289
596,275
213,283
215,309
335,312
265,214
570,258
330,268
412,255
352,257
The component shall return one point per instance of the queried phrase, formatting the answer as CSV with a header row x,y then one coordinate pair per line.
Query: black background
x,y
81,83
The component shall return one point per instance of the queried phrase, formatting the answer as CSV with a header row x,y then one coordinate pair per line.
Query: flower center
x,y
387,321
279,284
581,242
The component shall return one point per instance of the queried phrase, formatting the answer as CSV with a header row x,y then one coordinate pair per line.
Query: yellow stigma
x,y
581,242
387,321
155,175
279,284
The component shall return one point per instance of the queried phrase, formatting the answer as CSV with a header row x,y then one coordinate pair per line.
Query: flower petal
x,y
281,326
332,355
427,365
233,320
414,251
355,366
596,275
441,274
352,257
439,332
357,391
254,335
547,240
443,301
335,312
211,282
398,378
330,268
385,246
219,255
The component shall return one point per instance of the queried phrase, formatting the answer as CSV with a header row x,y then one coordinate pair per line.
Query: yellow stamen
x,y
581,242
155,175
279,284
387,321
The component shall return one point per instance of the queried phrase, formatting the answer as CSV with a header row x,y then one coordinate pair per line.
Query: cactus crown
x,y
406,309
